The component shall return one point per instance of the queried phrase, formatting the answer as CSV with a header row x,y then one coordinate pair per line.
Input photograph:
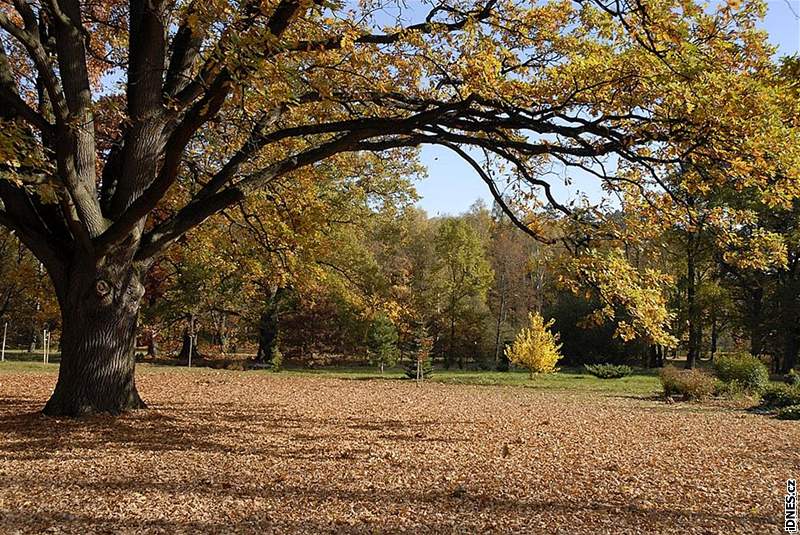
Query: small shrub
x,y
535,347
686,384
792,412
609,371
426,368
382,341
792,378
776,396
276,359
748,370
733,389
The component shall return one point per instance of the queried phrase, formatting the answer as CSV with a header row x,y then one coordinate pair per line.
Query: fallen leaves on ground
x,y
226,452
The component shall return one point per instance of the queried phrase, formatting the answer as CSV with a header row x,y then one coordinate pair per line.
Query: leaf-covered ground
x,y
227,452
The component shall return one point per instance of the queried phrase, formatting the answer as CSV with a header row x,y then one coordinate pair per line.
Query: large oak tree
x,y
108,108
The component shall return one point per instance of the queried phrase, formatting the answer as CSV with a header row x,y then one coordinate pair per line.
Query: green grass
x,y
16,366
27,356
641,382
563,380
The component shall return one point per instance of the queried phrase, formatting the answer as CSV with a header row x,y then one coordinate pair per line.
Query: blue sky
x,y
452,186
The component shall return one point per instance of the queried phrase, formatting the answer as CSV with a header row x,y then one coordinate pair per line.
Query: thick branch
x,y
142,143
134,214
185,52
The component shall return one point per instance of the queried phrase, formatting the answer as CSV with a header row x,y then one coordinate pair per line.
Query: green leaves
x,y
382,341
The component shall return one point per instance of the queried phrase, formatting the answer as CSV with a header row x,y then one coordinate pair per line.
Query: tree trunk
x,y
189,342
714,335
499,325
789,318
219,336
755,321
651,356
152,345
693,316
222,334
35,328
452,344
99,312
791,350
269,327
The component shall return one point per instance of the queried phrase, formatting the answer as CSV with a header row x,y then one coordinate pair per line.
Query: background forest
x,y
316,285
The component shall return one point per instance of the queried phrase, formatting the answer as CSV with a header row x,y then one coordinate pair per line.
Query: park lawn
x,y
20,355
640,383
26,366
643,382
307,452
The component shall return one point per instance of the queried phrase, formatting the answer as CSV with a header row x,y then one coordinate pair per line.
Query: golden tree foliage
x,y
635,299
658,84
535,346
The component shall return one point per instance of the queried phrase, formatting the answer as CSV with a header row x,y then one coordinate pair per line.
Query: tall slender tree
x,y
464,276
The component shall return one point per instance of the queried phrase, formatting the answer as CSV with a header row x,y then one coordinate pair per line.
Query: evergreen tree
x,y
382,340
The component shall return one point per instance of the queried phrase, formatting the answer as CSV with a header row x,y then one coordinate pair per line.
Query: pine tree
x,y
382,342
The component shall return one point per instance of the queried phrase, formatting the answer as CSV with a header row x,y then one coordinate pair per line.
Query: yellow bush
x,y
535,347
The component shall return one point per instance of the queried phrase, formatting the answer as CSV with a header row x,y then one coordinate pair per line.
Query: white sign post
x,y
46,346
191,341
3,353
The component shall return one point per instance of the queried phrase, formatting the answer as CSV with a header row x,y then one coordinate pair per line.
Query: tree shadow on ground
x,y
181,427
470,508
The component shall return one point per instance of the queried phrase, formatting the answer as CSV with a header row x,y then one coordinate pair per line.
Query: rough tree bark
x,y
99,311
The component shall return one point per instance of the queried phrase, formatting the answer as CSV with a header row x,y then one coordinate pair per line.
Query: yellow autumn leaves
x,y
536,346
